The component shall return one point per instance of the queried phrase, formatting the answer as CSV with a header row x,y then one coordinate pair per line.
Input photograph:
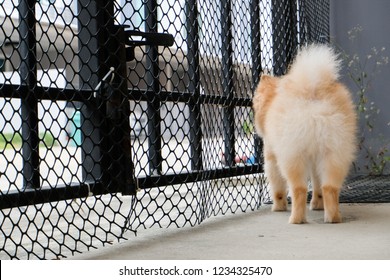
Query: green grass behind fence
x,y
14,140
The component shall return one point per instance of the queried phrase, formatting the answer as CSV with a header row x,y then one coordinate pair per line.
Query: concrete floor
x,y
363,235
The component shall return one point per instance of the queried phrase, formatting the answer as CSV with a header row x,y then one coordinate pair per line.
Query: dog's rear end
x,y
308,124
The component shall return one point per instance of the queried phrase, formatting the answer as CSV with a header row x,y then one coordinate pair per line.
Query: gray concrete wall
x,y
373,16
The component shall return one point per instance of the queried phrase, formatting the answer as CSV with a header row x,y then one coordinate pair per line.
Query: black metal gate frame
x,y
109,178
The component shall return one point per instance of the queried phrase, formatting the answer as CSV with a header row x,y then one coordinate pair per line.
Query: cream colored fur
x,y
308,125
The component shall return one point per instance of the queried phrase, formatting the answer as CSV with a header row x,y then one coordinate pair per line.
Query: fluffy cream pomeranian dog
x,y
307,121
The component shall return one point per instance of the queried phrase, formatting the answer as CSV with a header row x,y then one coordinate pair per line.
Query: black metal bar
x,y
43,93
256,63
153,84
182,178
118,111
227,81
293,28
194,84
303,26
91,117
47,194
74,191
29,104
86,96
149,38
284,35
255,41
105,126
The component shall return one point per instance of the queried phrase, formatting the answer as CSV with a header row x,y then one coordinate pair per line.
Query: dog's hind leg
x,y
333,177
296,179
277,183
316,202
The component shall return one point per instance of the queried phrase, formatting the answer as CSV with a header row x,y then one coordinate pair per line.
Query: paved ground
x,y
364,234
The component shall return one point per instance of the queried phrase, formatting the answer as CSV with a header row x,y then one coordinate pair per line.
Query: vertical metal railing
x,y
105,121
153,84
29,102
88,28
192,27
227,81
256,61
284,35
117,106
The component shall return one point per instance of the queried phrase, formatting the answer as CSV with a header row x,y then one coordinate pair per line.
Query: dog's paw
x,y
295,219
335,218
279,205
317,203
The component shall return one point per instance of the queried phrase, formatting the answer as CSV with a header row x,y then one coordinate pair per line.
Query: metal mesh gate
x,y
120,115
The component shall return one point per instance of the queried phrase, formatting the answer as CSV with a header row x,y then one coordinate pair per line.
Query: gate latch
x,y
137,38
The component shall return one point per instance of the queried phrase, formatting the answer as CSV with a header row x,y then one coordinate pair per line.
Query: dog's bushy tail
x,y
315,64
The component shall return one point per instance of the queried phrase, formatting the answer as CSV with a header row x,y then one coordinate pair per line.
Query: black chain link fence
x,y
121,115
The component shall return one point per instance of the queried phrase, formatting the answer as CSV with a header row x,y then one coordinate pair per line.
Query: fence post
x,y
256,63
192,27
227,82
153,84
284,35
106,131
29,102
91,119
